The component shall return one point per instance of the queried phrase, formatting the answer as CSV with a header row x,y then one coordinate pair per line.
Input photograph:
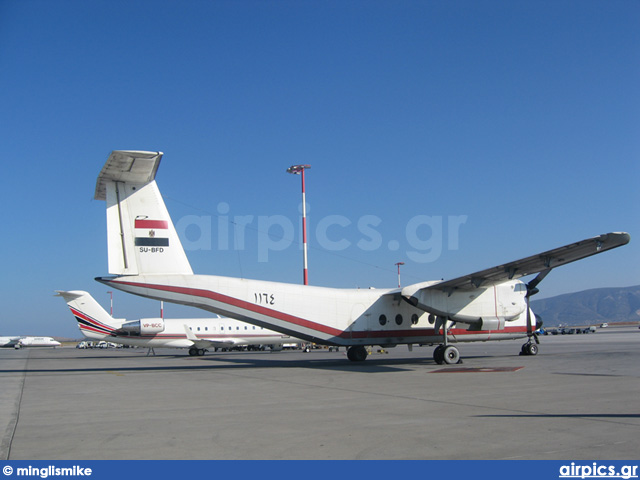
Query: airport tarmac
x,y
577,399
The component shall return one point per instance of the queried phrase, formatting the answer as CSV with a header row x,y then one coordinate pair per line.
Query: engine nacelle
x,y
144,326
493,323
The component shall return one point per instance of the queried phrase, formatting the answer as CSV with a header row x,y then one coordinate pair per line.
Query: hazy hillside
x,y
590,306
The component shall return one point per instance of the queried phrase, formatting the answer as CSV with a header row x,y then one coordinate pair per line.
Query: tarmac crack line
x,y
7,440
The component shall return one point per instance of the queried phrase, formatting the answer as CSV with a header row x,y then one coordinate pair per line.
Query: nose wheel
x,y
529,348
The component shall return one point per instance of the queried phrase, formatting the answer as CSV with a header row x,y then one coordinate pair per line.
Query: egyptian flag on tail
x,y
151,233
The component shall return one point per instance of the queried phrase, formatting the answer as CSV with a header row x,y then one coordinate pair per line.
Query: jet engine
x,y
144,326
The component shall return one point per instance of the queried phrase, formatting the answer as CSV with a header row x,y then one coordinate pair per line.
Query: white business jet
x,y
147,259
196,334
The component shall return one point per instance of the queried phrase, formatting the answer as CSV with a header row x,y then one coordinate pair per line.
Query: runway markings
x,y
476,369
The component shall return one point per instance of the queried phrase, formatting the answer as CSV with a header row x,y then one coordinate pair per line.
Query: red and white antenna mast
x,y
299,170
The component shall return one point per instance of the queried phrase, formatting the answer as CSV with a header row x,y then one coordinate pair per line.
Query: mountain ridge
x,y
588,307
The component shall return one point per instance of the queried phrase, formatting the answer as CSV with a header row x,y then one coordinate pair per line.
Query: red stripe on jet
x,y
95,323
139,223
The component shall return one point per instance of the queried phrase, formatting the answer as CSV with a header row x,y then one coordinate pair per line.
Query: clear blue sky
x,y
513,125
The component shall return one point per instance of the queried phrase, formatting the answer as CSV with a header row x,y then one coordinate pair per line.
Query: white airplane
x,y
19,342
196,334
147,259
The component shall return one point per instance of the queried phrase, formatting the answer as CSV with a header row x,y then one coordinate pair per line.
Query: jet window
x,y
382,319
398,319
414,319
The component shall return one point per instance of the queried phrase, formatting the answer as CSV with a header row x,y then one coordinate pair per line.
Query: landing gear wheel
x,y
438,354
451,355
529,349
193,352
201,352
357,354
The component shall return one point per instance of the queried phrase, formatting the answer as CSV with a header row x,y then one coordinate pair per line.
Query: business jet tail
x,y
93,320
141,237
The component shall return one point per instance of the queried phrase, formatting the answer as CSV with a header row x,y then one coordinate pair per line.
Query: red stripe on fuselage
x,y
275,314
234,302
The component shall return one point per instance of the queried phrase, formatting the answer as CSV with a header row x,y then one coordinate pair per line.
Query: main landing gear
x,y
357,354
446,354
196,352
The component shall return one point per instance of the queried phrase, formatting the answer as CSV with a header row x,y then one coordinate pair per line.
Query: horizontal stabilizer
x,y
127,166
69,296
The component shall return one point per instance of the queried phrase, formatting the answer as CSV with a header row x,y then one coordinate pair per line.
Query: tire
x,y
438,354
357,354
451,355
532,349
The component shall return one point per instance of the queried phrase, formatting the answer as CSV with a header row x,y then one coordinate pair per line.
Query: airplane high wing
x,y
146,258
542,262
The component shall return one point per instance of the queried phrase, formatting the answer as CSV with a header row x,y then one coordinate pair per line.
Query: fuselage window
x,y
414,319
398,319
382,319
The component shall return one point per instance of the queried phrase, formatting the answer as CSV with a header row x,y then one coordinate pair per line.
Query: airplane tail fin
x,y
93,320
141,237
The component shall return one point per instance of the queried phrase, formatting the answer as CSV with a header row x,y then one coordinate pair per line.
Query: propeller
x,y
532,290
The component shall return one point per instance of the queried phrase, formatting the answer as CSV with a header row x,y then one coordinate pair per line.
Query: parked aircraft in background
x,y
196,334
147,259
19,342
